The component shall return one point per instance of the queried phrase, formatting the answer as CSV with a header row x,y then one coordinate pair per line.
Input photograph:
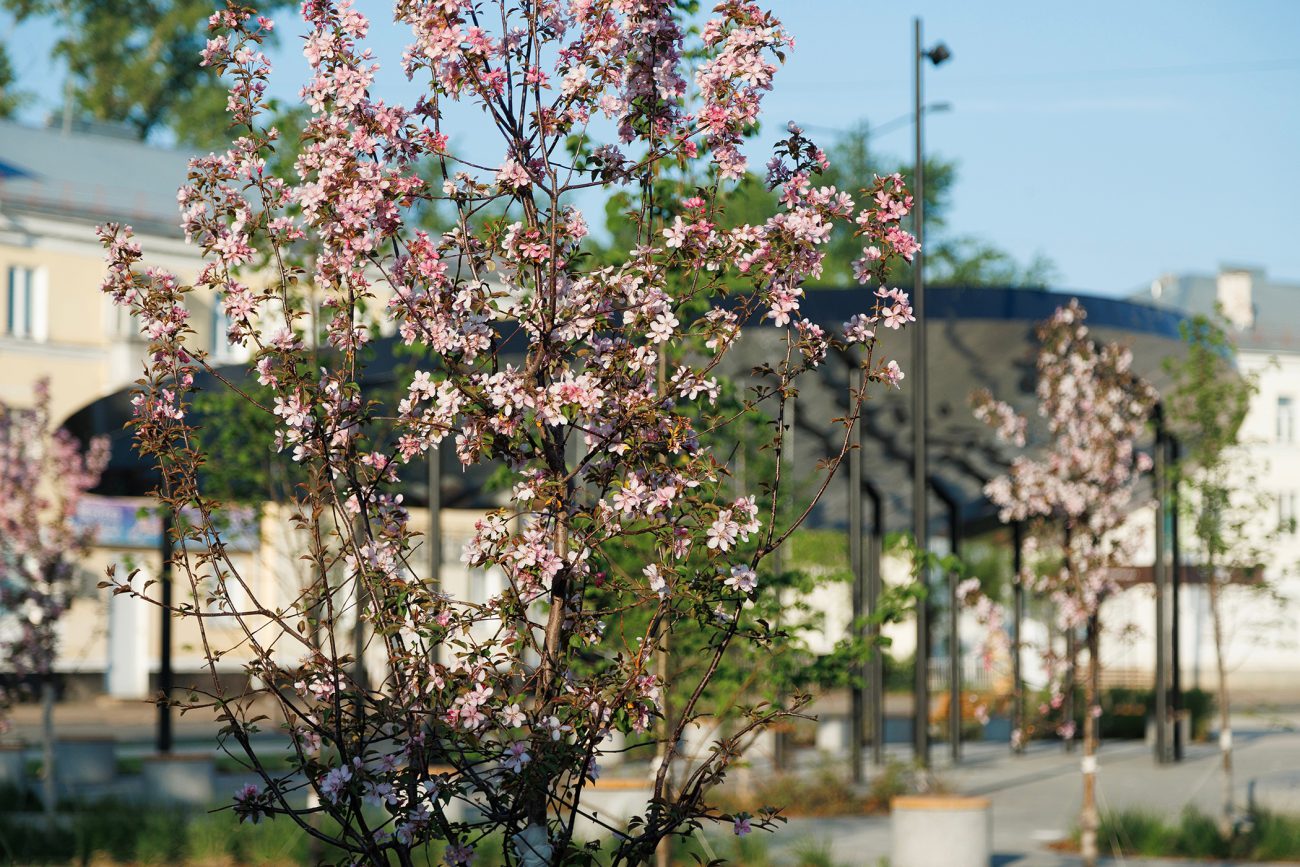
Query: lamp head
x,y
938,54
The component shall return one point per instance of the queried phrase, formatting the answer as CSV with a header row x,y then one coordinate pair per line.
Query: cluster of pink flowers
x,y
44,474
600,417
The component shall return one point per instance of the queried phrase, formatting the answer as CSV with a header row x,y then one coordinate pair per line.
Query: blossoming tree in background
x,y
593,385
43,475
1076,493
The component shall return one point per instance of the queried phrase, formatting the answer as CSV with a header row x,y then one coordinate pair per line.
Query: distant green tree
x,y
136,62
950,260
11,98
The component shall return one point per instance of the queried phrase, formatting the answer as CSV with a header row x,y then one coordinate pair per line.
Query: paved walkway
x,y
1036,796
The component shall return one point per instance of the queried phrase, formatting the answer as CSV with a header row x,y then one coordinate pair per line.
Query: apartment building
x,y
54,321
1263,316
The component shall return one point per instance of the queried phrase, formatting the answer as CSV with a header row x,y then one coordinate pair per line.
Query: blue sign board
x,y
135,523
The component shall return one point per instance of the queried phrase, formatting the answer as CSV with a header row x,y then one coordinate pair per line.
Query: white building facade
x,y
1263,630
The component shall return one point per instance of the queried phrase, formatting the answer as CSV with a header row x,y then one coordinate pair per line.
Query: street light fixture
x,y
920,469
939,53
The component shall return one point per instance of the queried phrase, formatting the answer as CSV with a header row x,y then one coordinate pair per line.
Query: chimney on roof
x,y
1236,295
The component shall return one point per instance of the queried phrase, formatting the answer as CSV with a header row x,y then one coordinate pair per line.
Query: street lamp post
x,y
920,469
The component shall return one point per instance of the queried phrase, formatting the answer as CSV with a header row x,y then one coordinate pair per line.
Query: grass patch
x,y
1264,837
753,850
115,832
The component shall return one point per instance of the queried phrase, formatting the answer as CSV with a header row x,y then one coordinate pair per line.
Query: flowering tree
x,y
593,385
1076,496
43,475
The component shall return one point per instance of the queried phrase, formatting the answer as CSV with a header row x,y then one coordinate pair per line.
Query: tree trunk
x,y
1089,820
49,793
1225,724
664,850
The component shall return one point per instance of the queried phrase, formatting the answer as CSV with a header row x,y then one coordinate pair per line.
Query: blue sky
x,y
1121,140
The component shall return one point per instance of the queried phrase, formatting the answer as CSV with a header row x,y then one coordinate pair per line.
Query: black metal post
x,y
876,662
1017,644
165,635
920,471
954,624
856,558
1161,581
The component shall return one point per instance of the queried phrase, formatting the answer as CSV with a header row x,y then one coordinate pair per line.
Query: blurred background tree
x,y
951,260
135,63
11,98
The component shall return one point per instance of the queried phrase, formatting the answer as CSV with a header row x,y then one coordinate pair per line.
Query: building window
x,y
24,310
121,322
1286,514
1285,420
222,349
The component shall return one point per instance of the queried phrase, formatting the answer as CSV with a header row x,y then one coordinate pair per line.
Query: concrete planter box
x,y
834,734
82,762
13,765
941,829
613,801
612,751
181,778
698,740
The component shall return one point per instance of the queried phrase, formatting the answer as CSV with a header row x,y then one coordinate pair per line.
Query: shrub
x,y
1267,837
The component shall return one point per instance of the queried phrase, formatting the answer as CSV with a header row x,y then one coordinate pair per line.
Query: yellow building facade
x,y
57,324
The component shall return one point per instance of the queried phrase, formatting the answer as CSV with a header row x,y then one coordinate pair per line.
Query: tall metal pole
x,y
165,637
856,559
920,470
1018,639
1175,617
876,665
1161,582
954,628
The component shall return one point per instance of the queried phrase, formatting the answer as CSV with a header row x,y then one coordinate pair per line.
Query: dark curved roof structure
x,y
978,338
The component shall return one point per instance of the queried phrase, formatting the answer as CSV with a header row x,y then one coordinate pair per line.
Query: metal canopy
x,y
978,338
128,474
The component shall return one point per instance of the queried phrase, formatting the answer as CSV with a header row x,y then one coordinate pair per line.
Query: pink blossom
x,y
742,578
516,757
